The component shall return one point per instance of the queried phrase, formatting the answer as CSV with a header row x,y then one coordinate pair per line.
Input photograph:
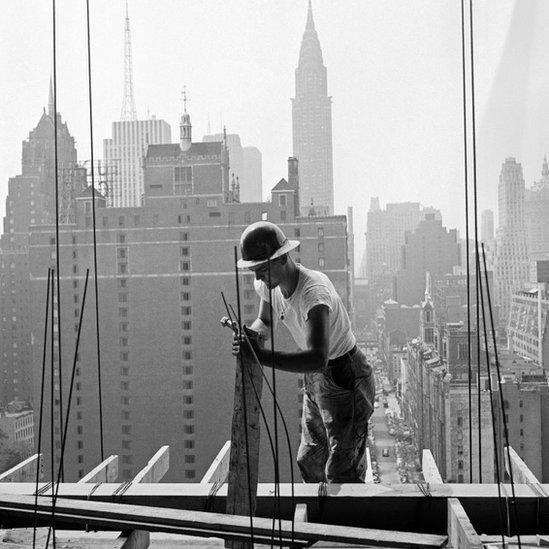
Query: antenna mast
x,y
128,103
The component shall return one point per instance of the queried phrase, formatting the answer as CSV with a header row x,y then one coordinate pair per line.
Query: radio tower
x,y
128,103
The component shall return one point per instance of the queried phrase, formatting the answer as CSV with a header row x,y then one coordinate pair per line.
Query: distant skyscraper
x,y
124,152
30,201
511,259
537,216
312,126
430,248
487,226
244,163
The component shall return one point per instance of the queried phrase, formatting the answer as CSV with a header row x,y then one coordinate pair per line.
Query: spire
x,y
51,103
545,168
185,126
310,21
128,103
310,45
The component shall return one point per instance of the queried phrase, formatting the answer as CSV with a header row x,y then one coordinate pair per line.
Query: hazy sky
x,y
394,72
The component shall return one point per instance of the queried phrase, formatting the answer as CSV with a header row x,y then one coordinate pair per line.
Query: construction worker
x,y
338,382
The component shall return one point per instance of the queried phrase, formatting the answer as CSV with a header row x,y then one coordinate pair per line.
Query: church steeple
x,y
185,126
51,104
310,51
310,21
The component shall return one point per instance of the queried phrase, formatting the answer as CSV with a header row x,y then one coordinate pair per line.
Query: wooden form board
x,y
106,515
219,469
362,505
245,439
22,472
106,471
521,471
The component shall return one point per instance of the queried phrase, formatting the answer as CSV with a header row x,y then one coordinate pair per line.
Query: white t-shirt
x,y
313,288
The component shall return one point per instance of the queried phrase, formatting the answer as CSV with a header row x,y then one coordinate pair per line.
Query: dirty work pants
x,y
337,405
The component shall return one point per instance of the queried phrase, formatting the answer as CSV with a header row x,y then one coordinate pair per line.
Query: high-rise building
x,y
312,126
167,371
30,202
430,248
487,226
123,153
537,216
511,267
245,165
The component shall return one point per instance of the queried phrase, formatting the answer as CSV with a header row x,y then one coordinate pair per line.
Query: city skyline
x,y
429,153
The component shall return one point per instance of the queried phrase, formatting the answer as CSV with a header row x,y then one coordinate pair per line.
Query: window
x,y
187,385
126,429
321,232
505,404
215,214
124,356
186,325
459,421
186,310
121,238
521,418
190,473
188,444
124,371
297,232
183,236
185,296
521,404
123,312
187,355
282,200
121,220
123,341
283,215
122,282
188,414
80,445
188,429
122,253
126,444
211,203
123,298
321,262
123,326
184,251
184,265
189,458
136,220
188,370
185,281
188,399
122,268
187,340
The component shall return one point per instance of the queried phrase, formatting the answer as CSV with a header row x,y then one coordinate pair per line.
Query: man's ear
x,y
284,259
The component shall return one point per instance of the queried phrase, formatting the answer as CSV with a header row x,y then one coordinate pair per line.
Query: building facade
x,y
162,267
30,201
312,126
245,165
430,248
123,153
537,219
511,268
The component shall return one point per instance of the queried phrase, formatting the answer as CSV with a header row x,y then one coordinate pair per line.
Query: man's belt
x,y
335,362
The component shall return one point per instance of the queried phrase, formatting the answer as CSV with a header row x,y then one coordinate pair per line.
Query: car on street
x,y
385,452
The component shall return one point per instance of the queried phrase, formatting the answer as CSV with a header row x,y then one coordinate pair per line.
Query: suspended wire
x,y
244,404
67,415
477,257
98,347
57,262
41,410
467,250
498,373
492,411
52,395
275,413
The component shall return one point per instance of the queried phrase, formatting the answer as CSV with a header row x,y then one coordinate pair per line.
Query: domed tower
x,y
185,126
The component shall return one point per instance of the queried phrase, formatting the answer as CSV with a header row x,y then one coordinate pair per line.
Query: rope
x,y
275,414
52,396
498,373
56,162
42,382
492,411
101,436
475,207
64,430
467,250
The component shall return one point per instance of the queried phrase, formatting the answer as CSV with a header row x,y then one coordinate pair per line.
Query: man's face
x,y
277,272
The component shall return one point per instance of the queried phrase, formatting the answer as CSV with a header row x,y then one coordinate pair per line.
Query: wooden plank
x,y
106,515
22,472
156,468
369,477
429,468
219,468
363,505
137,539
461,533
300,514
521,472
243,466
106,471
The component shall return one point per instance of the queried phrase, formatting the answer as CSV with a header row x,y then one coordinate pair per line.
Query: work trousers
x,y
337,405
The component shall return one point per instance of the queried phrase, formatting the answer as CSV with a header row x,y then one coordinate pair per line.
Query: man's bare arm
x,y
315,358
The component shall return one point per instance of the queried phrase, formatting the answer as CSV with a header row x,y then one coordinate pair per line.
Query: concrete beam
x,y
219,469
369,478
106,471
22,472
